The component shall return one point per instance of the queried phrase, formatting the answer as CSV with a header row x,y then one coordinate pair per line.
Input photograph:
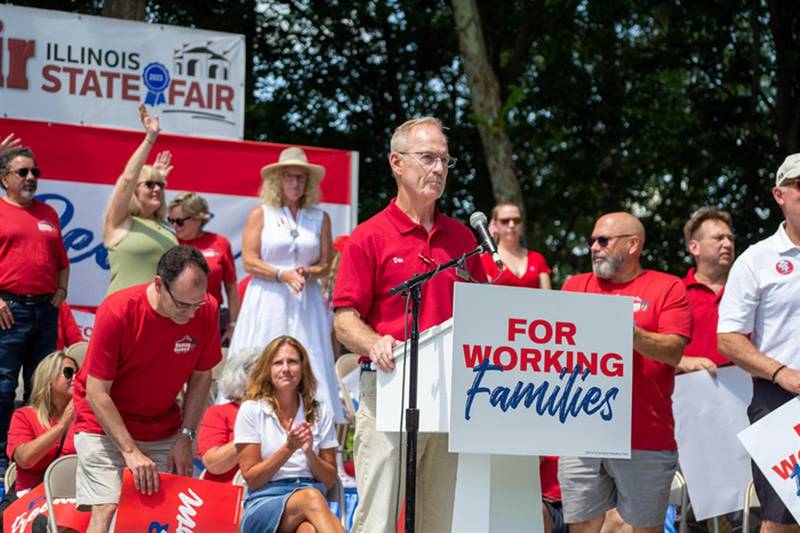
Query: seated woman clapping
x,y
286,444
43,430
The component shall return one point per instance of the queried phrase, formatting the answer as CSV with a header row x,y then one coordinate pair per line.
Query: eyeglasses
x,y
183,305
506,221
428,159
151,184
69,372
603,240
23,172
178,221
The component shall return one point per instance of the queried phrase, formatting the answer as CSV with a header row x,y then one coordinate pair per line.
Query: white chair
x,y
344,365
680,499
78,351
202,474
59,482
751,502
238,479
10,477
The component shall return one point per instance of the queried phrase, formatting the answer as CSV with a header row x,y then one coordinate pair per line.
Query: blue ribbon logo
x,y
156,78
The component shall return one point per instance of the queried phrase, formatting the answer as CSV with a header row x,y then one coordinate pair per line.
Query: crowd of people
x,y
139,400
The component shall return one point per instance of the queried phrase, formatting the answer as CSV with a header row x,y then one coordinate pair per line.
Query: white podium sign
x,y
540,372
773,443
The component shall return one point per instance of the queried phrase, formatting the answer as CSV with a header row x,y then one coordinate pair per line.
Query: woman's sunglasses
x,y
177,221
151,184
69,372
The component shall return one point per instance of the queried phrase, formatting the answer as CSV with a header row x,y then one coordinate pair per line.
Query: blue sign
x,y
156,78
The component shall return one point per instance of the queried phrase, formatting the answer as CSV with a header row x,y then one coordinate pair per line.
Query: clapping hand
x,y
300,436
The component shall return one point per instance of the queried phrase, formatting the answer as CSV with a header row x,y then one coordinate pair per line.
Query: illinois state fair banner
x,y
540,372
80,164
774,444
182,505
78,69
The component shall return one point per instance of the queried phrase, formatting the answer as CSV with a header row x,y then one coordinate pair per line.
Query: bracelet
x,y
775,374
278,275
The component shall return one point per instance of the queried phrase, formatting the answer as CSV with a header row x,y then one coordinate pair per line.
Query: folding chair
x,y
59,482
680,499
344,365
10,477
238,479
78,351
751,501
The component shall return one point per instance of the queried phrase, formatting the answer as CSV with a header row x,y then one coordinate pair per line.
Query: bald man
x,y
639,487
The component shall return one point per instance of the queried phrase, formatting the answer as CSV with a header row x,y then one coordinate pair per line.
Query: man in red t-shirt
x,y
639,487
148,342
709,238
410,236
34,272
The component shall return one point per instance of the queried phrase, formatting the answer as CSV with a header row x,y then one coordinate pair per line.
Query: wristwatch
x,y
189,433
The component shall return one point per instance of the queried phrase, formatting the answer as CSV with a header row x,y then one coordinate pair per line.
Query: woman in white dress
x,y
286,246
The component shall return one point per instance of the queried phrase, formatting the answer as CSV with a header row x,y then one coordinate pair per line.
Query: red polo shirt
x,y
659,305
390,248
705,314
216,429
148,357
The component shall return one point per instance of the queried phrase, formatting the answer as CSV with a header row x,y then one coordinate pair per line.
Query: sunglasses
x,y
23,172
506,221
151,184
69,372
178,221
603,240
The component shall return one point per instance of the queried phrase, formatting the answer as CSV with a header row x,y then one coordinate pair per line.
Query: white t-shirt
x,y
762,298
257,423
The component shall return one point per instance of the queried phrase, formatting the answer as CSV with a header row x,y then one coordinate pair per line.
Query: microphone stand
x,y
412,288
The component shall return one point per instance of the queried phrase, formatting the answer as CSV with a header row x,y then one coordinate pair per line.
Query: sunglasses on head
x,y
603,240
69,372
177,221
151,184
23,172
506,221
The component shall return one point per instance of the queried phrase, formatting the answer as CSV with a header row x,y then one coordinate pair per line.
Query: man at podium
x,y
408,237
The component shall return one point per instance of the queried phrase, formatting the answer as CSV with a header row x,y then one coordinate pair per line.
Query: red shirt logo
x,y
184,344
640,304
45,226
784,267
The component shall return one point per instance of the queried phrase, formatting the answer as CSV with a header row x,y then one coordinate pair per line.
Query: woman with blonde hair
x,y
286,444
287,248
188,215
522,267
43,430
134,227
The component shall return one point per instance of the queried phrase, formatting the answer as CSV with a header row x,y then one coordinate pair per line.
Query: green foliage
x,y
651,106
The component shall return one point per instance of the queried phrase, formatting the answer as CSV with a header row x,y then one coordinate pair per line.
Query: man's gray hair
x,y
400,135
236,373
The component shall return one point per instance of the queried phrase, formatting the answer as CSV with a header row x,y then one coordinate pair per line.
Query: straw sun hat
x,y
294,157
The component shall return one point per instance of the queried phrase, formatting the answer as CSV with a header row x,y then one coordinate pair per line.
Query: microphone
x,y
478,222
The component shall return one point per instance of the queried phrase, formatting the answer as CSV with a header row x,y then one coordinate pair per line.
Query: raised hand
x,y
9,142
163,164
150,123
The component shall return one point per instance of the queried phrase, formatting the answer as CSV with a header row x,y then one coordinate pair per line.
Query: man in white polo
x,y
757,326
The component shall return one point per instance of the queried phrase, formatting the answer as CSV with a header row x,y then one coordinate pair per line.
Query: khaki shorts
x,y
98,480
638,487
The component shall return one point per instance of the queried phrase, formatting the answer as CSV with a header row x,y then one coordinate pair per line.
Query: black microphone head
x,y
476,219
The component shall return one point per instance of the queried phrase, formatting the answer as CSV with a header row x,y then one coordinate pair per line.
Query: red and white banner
x,y
77,69
181,504
19,516
80,164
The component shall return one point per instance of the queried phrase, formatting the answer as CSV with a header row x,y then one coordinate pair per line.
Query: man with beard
x,y
709,238
639,487
34,272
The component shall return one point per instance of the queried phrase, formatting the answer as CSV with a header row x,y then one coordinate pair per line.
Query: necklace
x,y
294,232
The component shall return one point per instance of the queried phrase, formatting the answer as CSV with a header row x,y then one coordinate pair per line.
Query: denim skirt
x,y
263,508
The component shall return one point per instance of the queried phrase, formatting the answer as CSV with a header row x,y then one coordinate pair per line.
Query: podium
x,y
518,373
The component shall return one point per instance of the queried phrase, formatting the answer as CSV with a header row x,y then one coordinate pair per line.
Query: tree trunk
x,y
485,96
124,9
784,21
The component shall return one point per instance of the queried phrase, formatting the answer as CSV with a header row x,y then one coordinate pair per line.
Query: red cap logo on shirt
x,y
639,304
45,226
209,252
784,267
184,344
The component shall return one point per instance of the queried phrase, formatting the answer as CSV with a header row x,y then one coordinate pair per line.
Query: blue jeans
x,y
31,338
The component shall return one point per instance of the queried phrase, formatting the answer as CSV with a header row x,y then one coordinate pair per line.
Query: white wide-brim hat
x,y
294,157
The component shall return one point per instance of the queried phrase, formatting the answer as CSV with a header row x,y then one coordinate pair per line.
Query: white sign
x,y
774,444
540,372
78,69
709,413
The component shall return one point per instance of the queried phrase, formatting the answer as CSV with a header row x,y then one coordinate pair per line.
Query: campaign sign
x,y
774,444
182,504
19,516
78,69
539,372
